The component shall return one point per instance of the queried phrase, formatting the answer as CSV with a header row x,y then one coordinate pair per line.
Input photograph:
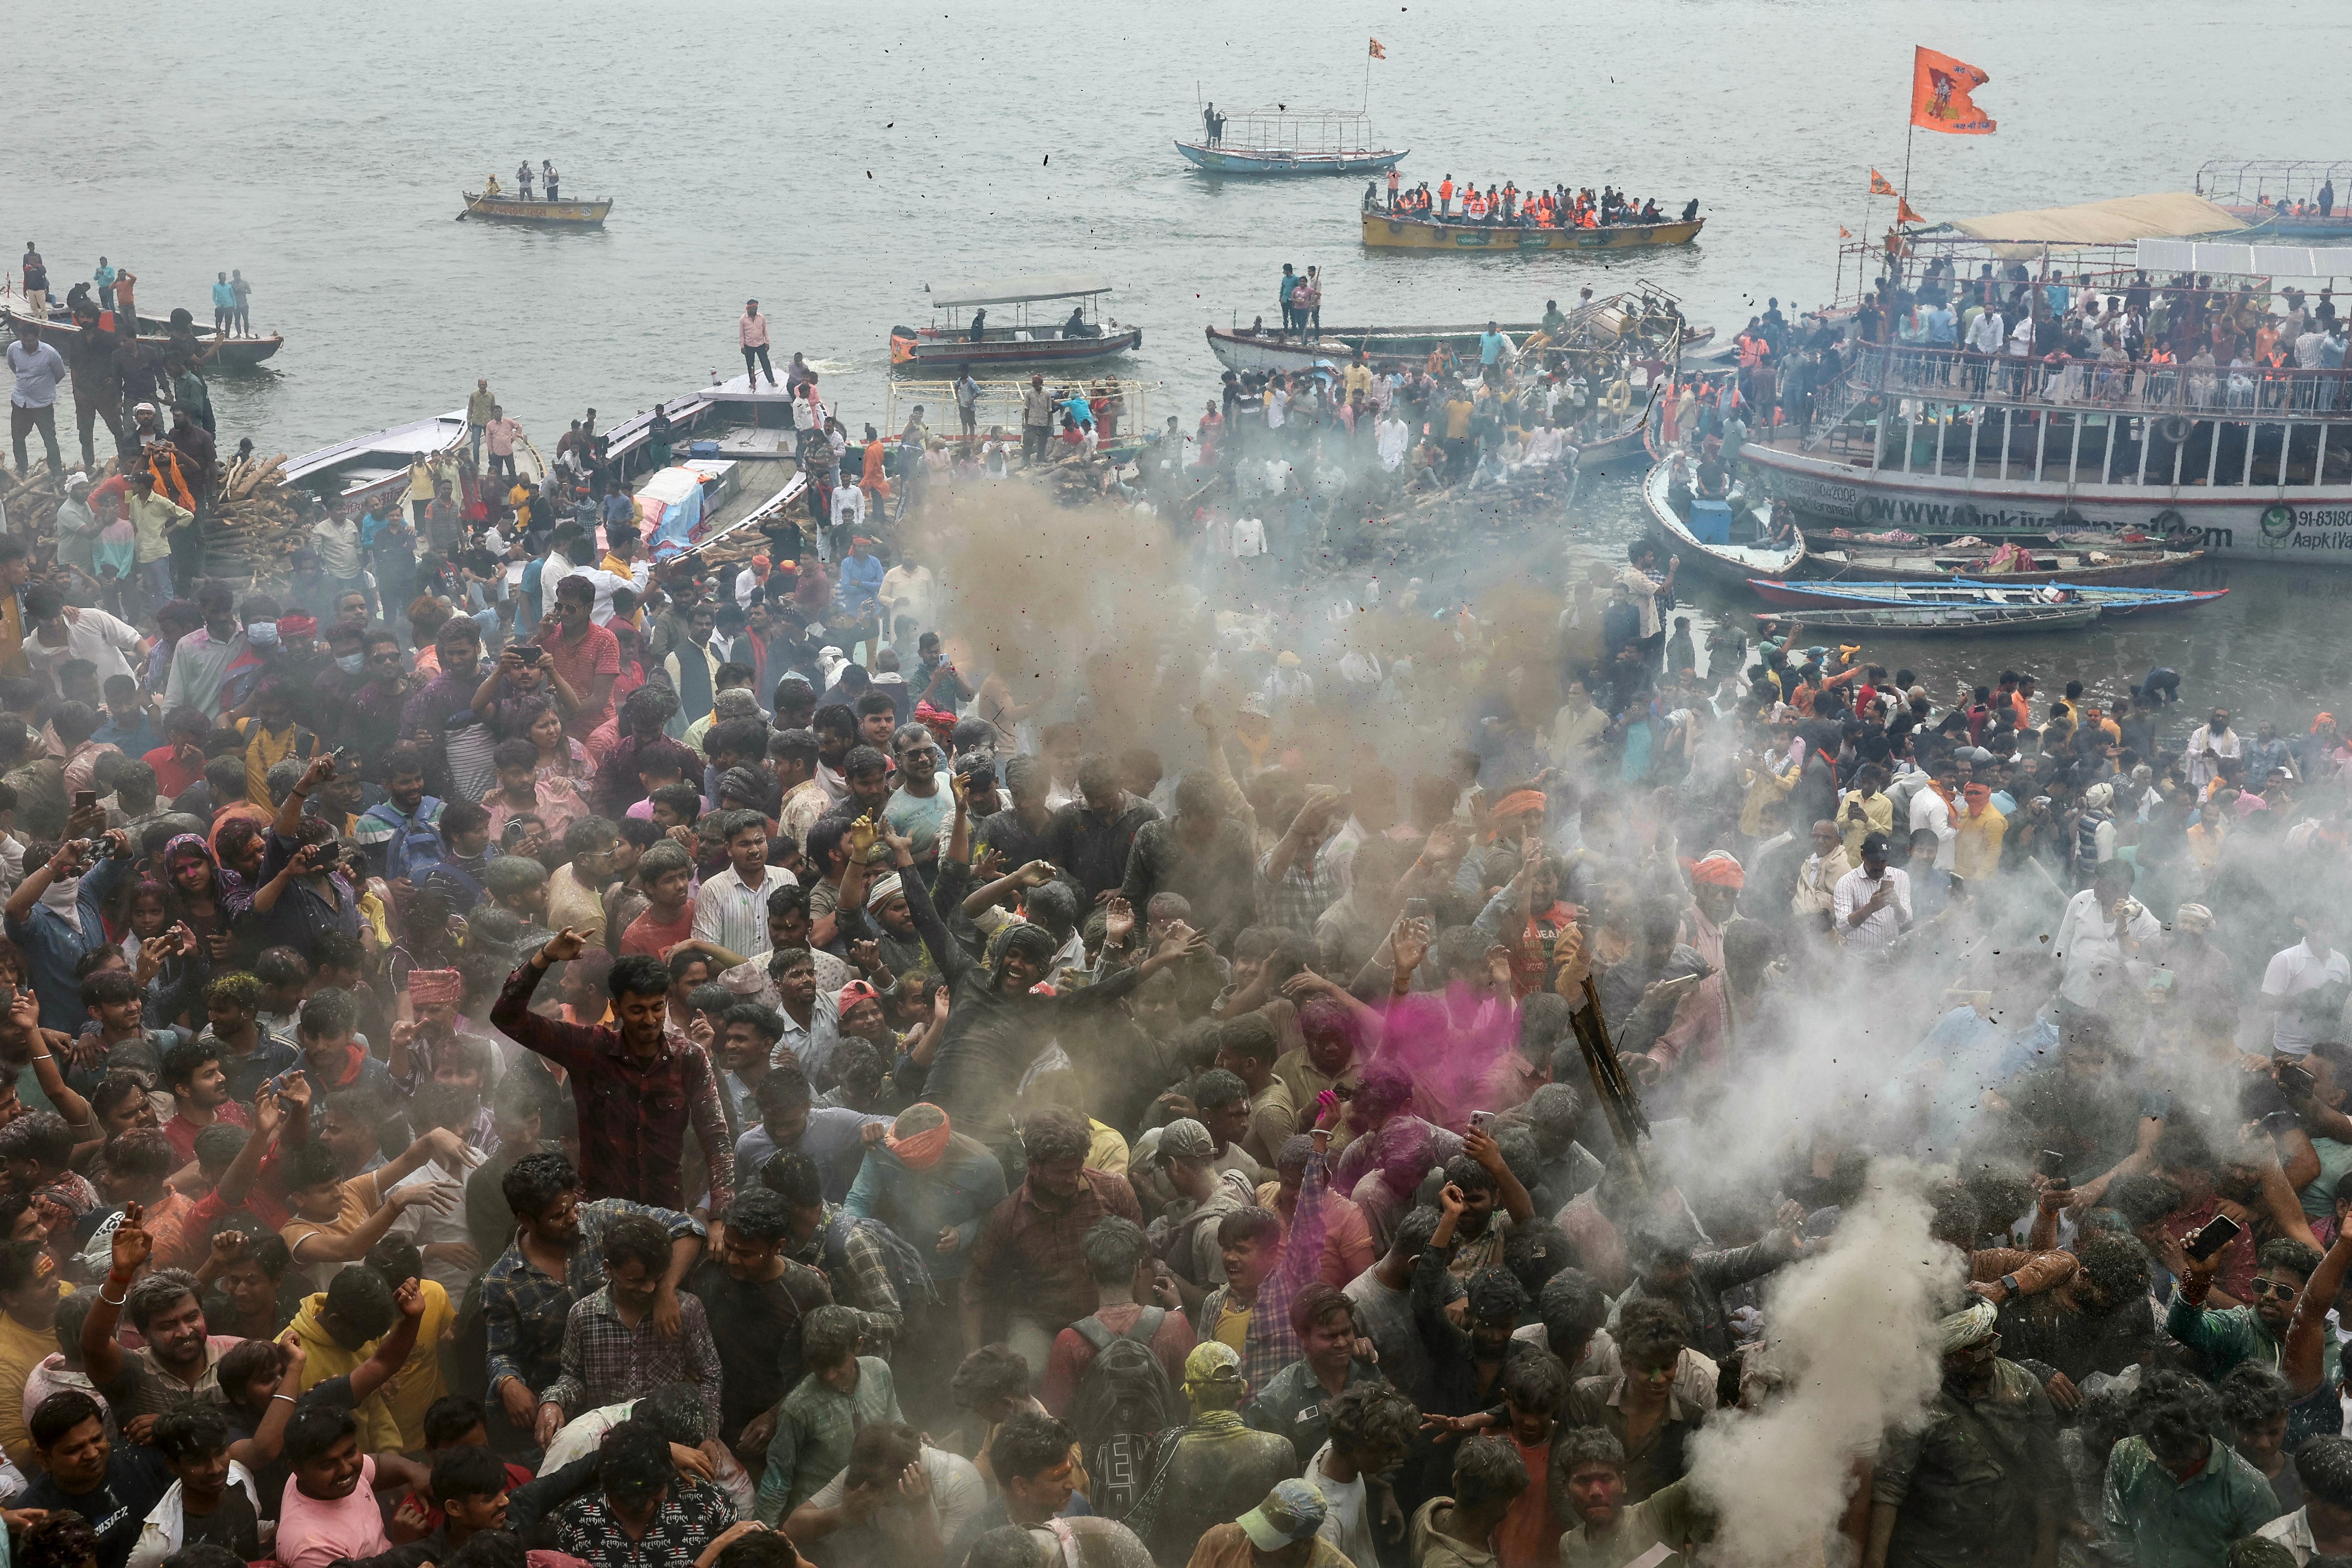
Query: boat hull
x,y
1834,559
554,215
1935,619
1255,163
2336,225
228,354
1997,592
1739,563
929,352
1380,346
2227,523
1386,231
371,467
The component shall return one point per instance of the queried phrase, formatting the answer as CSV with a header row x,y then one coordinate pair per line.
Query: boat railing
x,y
2241,393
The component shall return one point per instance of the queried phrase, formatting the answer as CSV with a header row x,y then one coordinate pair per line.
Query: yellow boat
x,y
1388,231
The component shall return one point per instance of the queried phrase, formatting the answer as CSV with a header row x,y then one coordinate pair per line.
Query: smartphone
x,y
1416,909
1482,1120
85,798
526,652
2051,1166
2295,1080
2211,1237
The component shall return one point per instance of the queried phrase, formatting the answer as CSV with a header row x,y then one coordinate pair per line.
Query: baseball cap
x,y
1291,1513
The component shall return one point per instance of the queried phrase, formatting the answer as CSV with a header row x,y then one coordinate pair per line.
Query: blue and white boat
x,y
1981,594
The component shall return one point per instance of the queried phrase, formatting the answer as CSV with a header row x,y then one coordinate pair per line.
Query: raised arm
x,y
2306,1334
953,961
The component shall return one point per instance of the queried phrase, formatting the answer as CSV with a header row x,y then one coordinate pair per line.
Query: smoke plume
x,y
1851,1341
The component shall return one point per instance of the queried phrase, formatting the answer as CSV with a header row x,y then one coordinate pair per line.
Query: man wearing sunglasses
x,y
2255,1332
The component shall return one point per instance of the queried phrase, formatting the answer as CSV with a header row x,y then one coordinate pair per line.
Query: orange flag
x,y
1878,186
1845,233
1904,214
1379,53
1941,87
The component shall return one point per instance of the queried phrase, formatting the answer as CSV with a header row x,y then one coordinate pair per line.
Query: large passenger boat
x,y
2241,460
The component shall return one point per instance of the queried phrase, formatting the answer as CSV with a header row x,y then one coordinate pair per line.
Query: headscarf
x,y
429,986
1519,801
2193,916
1966,1327
1978,796
884,891
62,898
2098,797
1719,868
918,1151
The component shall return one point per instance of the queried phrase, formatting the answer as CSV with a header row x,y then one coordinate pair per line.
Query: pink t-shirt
x,y
313,1533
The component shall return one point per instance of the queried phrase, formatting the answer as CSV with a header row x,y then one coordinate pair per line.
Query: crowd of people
x,y
1509,206
667,1064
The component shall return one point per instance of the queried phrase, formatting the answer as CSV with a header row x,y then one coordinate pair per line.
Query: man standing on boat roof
x,y
752,333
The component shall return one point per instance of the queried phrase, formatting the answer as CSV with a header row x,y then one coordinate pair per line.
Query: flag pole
x,y
1368,78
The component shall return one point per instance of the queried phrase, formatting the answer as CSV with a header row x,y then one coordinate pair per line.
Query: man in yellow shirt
x,y
1976,853
355,1320
1864,810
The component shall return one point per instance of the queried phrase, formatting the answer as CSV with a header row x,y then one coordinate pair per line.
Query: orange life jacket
x,y
1445,190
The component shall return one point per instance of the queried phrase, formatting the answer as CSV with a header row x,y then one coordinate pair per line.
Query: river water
x,y
833,162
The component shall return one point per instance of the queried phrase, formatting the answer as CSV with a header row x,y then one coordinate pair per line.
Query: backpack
x,y
1123,1402
415,850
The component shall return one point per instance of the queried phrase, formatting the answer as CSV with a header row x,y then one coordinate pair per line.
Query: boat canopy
x,y
1017,290
2246,260
2159,214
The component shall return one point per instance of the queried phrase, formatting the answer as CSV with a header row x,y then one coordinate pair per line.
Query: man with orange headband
x,y
1702,1024
935,1187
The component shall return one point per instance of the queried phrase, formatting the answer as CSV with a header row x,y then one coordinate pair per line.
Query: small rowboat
x,y
1253,161
225,353
1717,535
520,210
2104,568
1392,231
1924,619
1982,594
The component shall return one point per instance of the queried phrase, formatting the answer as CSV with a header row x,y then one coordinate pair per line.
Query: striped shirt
x,y
735,915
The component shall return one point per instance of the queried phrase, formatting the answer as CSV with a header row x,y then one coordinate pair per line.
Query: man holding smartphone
x,y
1872,905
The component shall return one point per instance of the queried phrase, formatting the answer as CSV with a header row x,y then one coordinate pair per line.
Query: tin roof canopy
x,y
1017,290
2160,215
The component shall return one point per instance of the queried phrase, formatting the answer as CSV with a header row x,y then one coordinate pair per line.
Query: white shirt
x,y
735,915
2290,974
1929,810
1985,332
957,1495
1393,439
91,635
1878,933
426,1225
607,584
1249,537
909,592
2020,338
816,1044
848,506
2090,945
2201,769
338,546
1346,1519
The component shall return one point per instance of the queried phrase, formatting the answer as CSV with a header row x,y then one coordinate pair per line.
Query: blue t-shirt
x,y
1490,348
224,297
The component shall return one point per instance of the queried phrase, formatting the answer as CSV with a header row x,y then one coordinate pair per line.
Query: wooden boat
x,y
226,353
1384,230
523,210
1925,620
1257,161
1998,594
950,348
2075,564
1381,346
1741,553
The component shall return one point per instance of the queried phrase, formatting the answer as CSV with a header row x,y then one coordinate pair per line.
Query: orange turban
x,y
1719,870
1518,801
